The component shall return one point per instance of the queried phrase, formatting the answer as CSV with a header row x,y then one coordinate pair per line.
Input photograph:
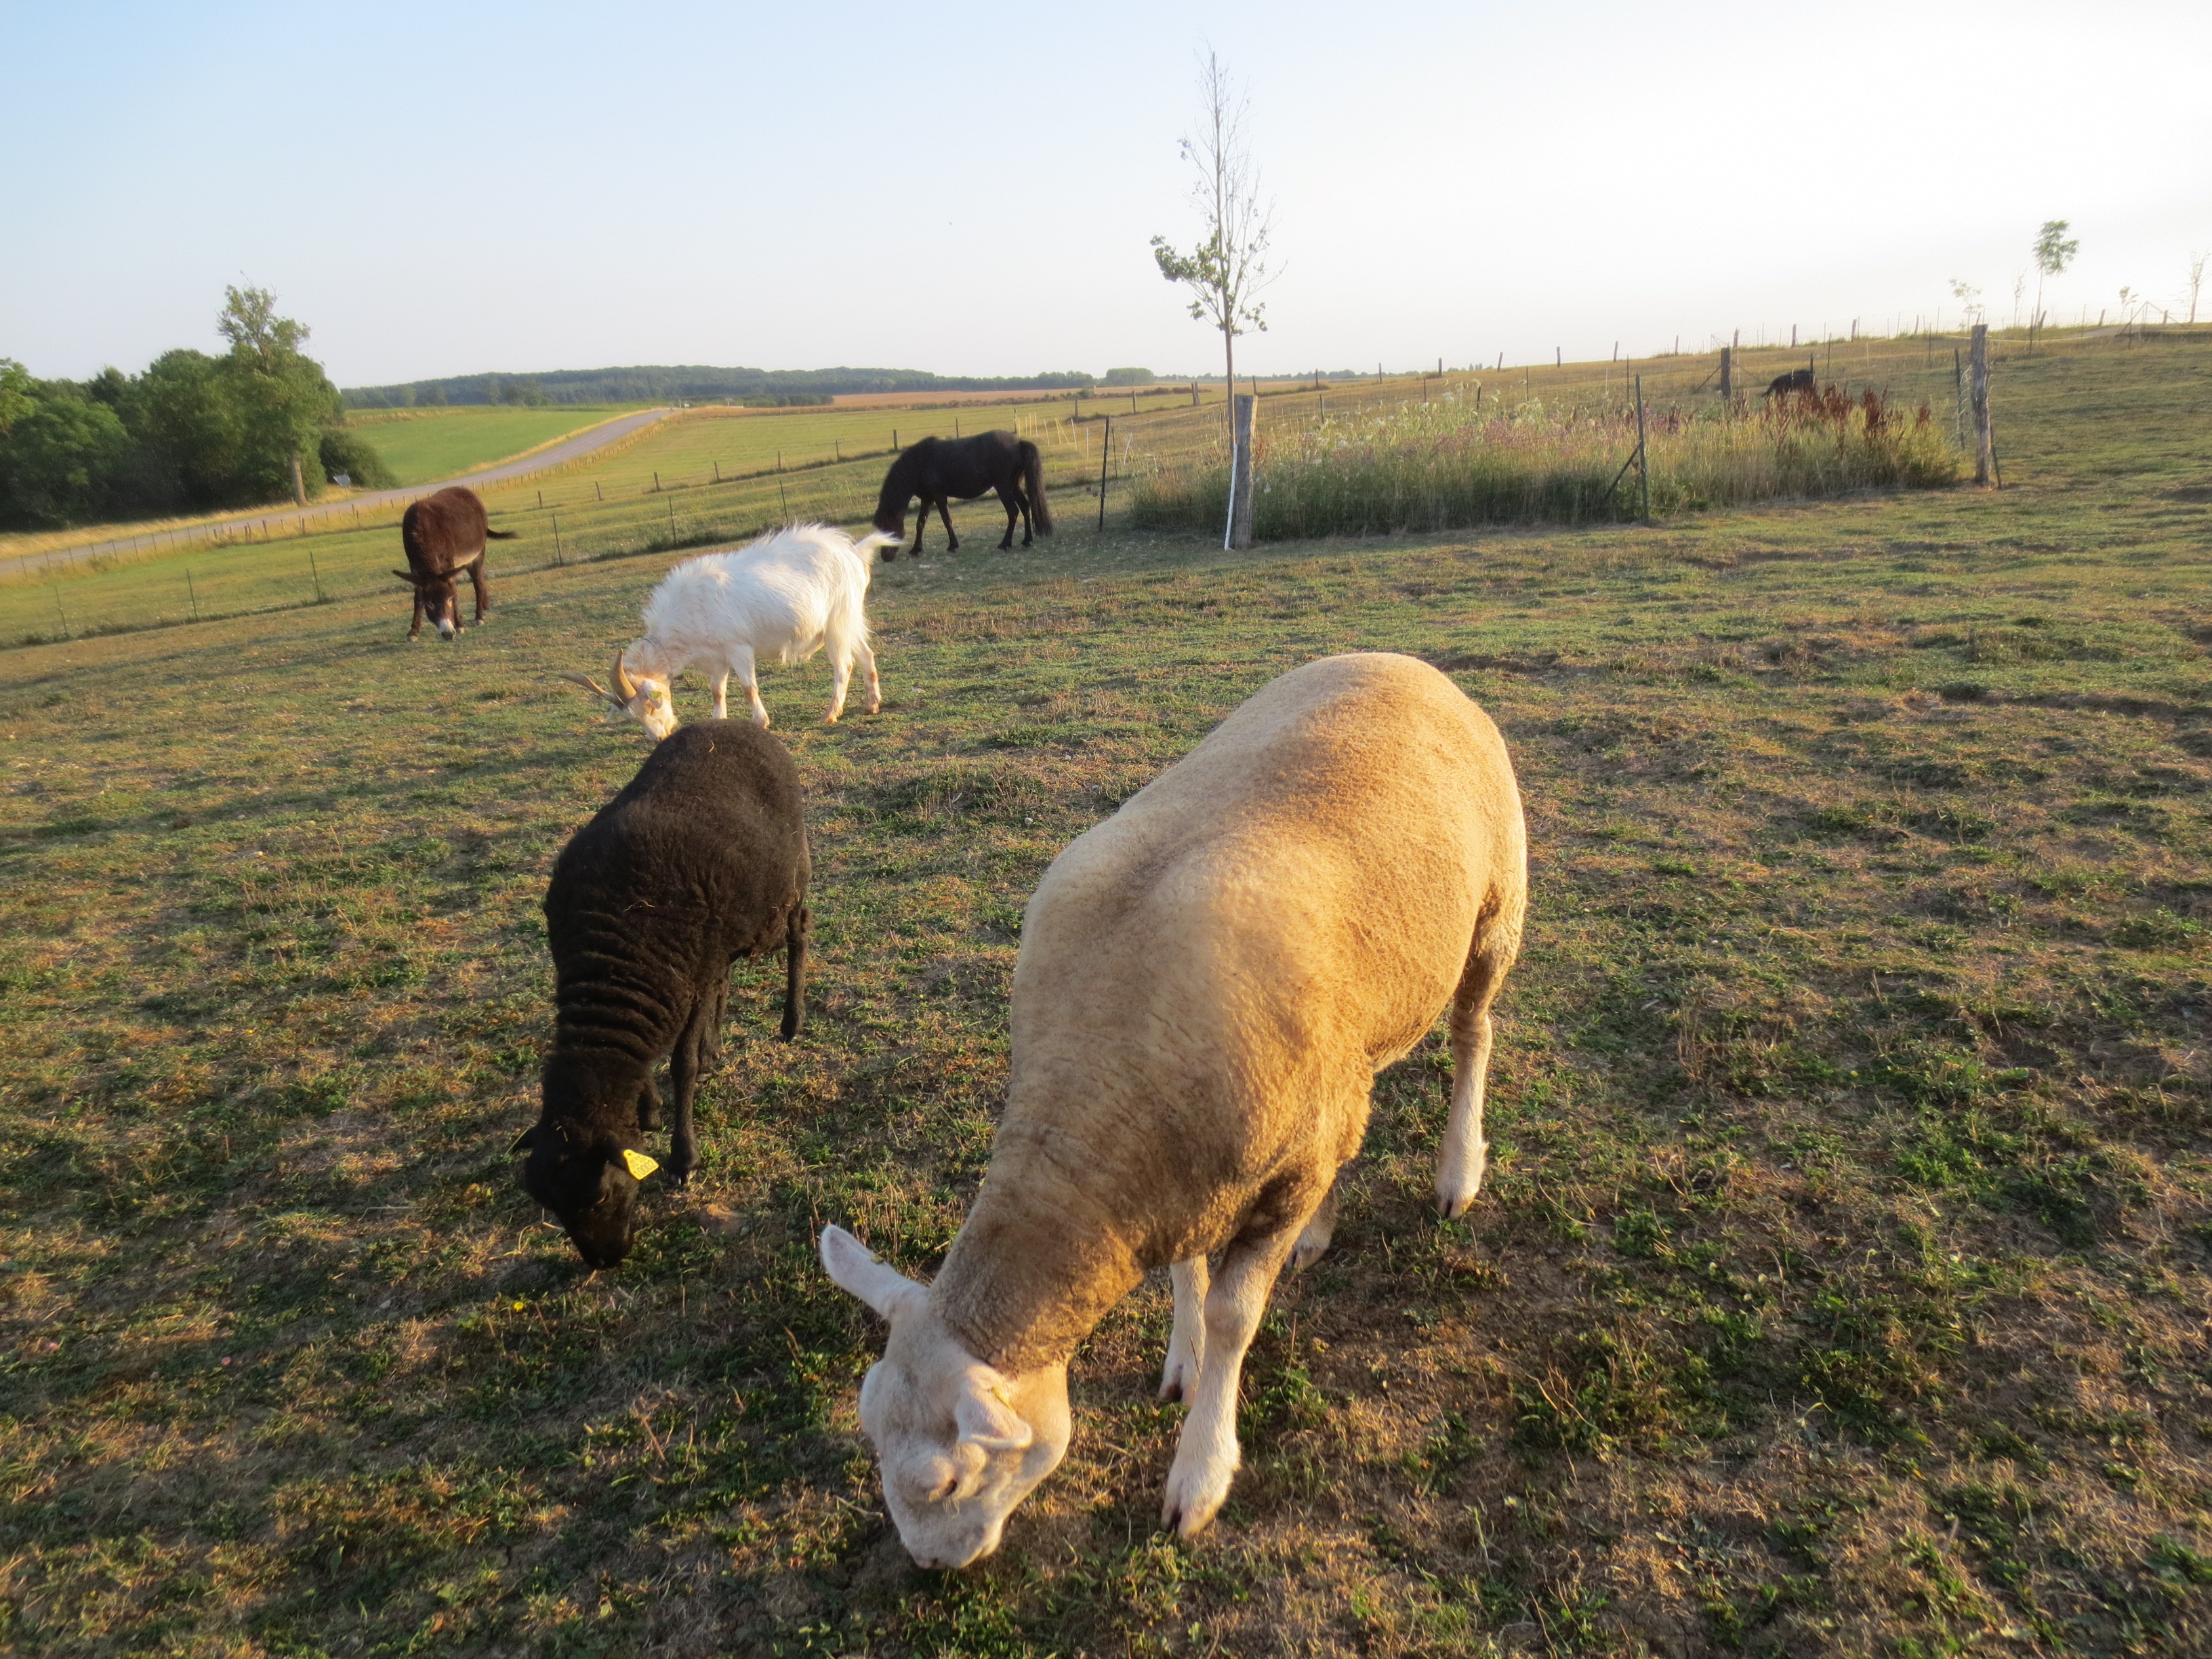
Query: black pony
x,y
942,469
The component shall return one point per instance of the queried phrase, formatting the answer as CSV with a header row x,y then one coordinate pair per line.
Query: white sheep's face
x,y
960,1443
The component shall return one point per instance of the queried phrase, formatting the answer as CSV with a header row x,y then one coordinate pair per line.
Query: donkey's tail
x,y
1033,482
502,535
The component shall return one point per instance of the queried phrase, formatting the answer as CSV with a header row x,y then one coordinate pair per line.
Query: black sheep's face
x,y
589,1185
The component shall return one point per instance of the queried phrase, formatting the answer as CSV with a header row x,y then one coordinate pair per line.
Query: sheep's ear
x,y
526,1140
984,1419
850,1264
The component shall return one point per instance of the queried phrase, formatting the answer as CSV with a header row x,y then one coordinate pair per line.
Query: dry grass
x,y
1841,1288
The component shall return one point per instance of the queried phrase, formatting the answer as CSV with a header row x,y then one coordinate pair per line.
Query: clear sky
x,y
452,188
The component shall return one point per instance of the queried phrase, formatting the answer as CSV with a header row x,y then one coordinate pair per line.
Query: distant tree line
x,y
690,384
192,432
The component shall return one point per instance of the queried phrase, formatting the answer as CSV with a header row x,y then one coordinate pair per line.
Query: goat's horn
x,y
587,682
624,684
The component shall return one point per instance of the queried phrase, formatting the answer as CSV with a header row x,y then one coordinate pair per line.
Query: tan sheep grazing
x,y
1208,983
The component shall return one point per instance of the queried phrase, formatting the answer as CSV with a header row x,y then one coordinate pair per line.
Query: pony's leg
x,y
1465,1155
741,660
1186,1342
920,528
944,511
1007,499
1205,1456
720,682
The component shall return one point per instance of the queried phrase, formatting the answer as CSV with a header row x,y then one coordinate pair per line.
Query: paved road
x,y
289,519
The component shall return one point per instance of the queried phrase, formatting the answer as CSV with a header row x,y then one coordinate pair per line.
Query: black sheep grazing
x,y
700,860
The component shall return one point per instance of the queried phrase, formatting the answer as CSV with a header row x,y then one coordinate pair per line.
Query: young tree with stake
x,y
2053,253
1226,270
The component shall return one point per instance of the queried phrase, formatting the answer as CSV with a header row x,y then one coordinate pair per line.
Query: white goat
x,y
782,598
1207,983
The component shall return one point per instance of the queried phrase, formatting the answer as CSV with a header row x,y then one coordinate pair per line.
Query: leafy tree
x,y
1230,266
2053,253
282,399
14,393
62,455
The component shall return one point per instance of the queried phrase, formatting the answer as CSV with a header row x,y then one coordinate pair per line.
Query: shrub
x,y
1455,463
349,452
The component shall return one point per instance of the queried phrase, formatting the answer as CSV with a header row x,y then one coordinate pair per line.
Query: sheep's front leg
x,y
1186,1343
1205,1457
695,1052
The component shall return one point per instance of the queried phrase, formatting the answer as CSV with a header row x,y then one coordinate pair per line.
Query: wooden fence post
x,y
1240,478
1643,455
1978,359
1105,457
1728,372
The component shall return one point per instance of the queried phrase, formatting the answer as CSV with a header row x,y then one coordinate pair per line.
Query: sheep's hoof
x,y
1196,1491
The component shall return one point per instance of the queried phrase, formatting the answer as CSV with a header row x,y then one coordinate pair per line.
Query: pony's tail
x,y
1033,482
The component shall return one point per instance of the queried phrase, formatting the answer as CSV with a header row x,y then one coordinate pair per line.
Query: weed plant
x,y
1458,462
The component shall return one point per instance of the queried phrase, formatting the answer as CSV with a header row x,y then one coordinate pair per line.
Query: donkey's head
x,y
643,698
436,596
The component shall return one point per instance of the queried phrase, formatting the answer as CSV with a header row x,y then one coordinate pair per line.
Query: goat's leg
x,y
944,511
1206,1456
868,668
1465,1153
741,660
1186,1342
721,684
484,591
841,677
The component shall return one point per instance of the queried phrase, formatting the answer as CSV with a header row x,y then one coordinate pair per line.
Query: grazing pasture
x,y
429,446
1839,1286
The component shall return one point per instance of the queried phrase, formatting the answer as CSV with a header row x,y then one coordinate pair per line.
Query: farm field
x,y
423,446
710,476
1840,1286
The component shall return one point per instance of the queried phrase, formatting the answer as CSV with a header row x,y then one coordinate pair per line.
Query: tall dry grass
x,y
1458,462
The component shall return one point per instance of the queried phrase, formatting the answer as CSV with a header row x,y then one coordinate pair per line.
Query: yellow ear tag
x,y
638,1165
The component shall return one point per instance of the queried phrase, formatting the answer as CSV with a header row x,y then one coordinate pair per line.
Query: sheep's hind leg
x,y
1207,1458
1187,1344
1466,1154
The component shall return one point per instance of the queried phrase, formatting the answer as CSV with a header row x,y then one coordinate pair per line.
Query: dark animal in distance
x,y
444,535
943,470
1797,380
702,859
